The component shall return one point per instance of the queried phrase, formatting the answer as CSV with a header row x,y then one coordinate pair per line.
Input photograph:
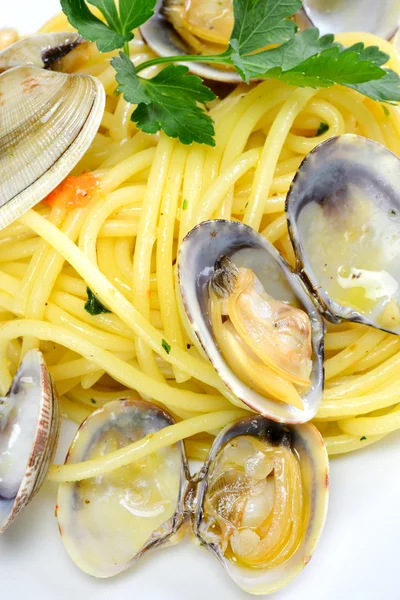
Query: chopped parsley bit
x,y
323,128
185,204
363,438
93,305
246,205
393,212
386,110
166,346
92,400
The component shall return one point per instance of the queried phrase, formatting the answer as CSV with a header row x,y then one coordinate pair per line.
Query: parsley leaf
x,y
362,438
118,27
261,22
185,204
308,60
93,305
166,346
90,27
287,56
168,101
329,67
386,89
135,12
323,128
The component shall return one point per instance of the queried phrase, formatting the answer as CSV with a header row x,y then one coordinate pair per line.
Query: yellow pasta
x,y
123,245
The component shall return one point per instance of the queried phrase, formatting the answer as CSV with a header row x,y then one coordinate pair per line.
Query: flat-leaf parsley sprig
x,y
174,100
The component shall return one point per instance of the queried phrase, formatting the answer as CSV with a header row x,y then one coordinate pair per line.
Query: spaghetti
x,y
146,193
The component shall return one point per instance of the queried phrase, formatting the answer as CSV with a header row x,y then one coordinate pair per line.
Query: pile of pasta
x,y
143,194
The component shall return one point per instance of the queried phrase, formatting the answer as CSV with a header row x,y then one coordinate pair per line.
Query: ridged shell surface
x,y
48,121
33,391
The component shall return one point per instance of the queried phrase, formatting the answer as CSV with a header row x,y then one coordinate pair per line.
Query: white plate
x,y
357,558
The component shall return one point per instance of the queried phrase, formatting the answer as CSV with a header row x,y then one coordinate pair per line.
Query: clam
x,y
29,426
203,27
40,50
343,212
253,318
182,27
262,500
335,16
258,504
108,522
49,120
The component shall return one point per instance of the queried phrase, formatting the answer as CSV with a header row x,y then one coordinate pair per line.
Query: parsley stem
x,y
218,58
126,49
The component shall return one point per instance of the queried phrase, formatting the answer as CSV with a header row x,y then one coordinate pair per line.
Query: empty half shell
x,y
343,212
108,522
29,426
254,319
262,501
39,50
48,122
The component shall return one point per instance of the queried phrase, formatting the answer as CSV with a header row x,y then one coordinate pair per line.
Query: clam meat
x,y
262,501
29,426
253,318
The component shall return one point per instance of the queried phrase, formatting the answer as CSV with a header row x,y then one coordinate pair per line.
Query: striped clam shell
x,y
49,120
45,438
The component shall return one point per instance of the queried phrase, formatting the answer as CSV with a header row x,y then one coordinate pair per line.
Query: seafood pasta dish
x,y
199,266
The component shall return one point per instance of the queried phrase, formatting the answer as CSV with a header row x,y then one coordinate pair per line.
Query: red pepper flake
x,y
74,191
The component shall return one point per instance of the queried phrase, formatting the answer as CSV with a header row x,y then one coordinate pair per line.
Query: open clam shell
x,y
233,446
197,257
29,426
39,50
335,16
48,122
343,212
108,522
160,35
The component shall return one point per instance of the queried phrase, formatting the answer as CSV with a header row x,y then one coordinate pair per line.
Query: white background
x,y
357,557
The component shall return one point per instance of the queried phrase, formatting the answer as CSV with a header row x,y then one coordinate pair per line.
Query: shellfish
x,y
29,427
259,502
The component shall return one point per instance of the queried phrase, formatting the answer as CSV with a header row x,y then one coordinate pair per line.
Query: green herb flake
x,y
185,204
385,110
92,400
93,305
363,438
166,346
323,128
